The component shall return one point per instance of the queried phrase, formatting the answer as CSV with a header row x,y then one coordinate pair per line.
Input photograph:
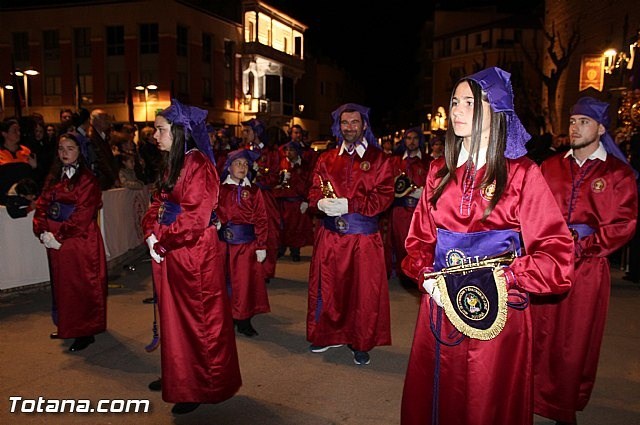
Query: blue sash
x,y
454,248
237,234
168,212
405,201
352,224
583,230
60,211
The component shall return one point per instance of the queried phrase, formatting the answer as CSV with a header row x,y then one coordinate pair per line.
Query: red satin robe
x,y
569,328
348,271
484,382
416,169
268,165
199,356
78,270
297,228
244,274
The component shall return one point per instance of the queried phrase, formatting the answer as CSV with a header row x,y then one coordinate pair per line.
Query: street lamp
x,y
2,89
146,89
25,80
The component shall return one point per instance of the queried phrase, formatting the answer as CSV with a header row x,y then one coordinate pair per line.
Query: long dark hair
x,y
496,161
174,159
55,172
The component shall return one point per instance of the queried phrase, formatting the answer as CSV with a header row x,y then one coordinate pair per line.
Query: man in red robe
x,y
410,171
266,173
348,295
297,224
596,191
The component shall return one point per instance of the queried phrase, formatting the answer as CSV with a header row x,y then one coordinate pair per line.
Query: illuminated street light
x,y
146,89
25,81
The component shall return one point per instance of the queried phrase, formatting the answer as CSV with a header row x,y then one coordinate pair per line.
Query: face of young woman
x,y
163,135
68,151
462,114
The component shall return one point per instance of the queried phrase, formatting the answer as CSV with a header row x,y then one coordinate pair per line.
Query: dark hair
x,y
55,173
26,187
496,161
173,160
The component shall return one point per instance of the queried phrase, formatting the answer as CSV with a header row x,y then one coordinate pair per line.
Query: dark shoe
x,y
360,357
245,328
322,348
182,408
82,343
149,300
156,385
54,335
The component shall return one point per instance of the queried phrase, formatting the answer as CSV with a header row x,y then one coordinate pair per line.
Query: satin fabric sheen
x,y
484,382
199,357
78,270
566,358
348,291
416,169
244,274
269,169
297,228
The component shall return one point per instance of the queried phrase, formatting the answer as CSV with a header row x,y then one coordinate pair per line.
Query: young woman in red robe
x,y
198,348
484,197
66,221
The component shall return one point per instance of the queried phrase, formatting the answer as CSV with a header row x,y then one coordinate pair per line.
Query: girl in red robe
x,y
199,356
244,228
481,198
66,221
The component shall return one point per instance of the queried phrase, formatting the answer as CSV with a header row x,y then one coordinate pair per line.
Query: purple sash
x,y
59,211
583,230
405,201
237,234
168,212
352,224
454,248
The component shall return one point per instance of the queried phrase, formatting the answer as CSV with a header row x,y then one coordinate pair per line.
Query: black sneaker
x,y
182,408
360,357
156,385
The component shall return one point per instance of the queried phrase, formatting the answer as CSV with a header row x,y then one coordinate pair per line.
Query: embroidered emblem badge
x,y
454,257
472,303
342,226
488,192
365,166
598,185
244,194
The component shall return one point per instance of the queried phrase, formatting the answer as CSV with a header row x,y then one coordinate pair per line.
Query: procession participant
x,y
471,364
348,293
66,221
595,188
265,174
410,171
243,219
291,193
198,350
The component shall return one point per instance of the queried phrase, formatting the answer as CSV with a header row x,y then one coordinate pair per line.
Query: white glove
x,y
49,240
286,175
432,289
303,207
151,241
416,193
218,224
261,255
334,207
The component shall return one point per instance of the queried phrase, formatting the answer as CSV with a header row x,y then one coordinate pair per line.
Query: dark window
x,y
182,40
273,87
148,38
52,85
517,35
115,88
20,46
297,47
51,44
206,91
229,54
478,39
207,47
115,40
82,42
